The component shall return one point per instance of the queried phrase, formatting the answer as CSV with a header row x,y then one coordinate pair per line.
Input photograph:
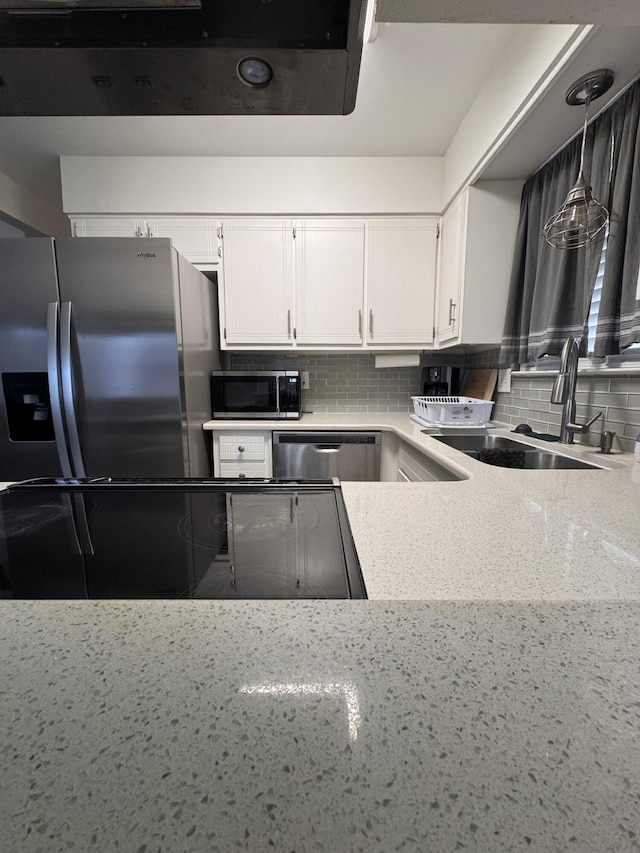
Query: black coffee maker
x,y
440,381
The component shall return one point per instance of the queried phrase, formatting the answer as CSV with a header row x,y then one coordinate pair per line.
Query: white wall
x,y
261,185
25,210
522,76
516,84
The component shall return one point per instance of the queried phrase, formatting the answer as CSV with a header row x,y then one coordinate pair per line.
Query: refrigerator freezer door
x,y
124,365
27,435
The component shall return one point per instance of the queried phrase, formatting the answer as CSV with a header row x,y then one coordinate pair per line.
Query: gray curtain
x,y
550,289
619,315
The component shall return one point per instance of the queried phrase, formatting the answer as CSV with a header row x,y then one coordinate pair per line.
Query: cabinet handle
x,y
289,323
360,322
452,316
241,476
370,323
241,448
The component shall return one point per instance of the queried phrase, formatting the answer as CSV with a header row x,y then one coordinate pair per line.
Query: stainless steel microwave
x,y
256,394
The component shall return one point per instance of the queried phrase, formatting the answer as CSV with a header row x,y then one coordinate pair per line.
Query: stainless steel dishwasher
x,y
318,455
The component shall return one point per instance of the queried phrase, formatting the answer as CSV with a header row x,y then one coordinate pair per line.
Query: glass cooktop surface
x,y
104,538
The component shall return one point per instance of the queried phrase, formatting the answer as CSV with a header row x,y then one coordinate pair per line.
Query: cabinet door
x,y
194,237
329,281
401,277
451,270
257,278
109,226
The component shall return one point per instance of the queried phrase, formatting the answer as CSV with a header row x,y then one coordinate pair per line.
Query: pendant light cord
x,y
584,133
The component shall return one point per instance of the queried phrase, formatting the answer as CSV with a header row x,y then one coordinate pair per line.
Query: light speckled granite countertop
x,y
345,727
499,534
361,726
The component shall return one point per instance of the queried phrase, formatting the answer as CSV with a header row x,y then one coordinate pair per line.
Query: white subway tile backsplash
x,y
617,397
343,383
627,416
600,398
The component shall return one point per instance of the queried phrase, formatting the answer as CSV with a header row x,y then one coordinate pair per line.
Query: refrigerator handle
x,y
54,389
67,390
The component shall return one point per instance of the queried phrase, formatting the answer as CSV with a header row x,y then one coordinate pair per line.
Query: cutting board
x,y
479,383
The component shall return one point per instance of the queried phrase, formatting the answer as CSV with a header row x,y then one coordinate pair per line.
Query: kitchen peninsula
x,y
496,533
486,696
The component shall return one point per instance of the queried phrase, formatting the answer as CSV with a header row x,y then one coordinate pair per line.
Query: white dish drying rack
x,y
451,411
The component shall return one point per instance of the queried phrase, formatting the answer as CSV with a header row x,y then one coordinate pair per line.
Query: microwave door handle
x,y
55,397
277,378
67,390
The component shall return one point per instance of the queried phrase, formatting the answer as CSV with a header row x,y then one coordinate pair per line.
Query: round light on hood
x,y
255,72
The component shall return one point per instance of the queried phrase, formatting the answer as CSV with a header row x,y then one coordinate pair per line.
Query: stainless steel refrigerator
x,y
106,347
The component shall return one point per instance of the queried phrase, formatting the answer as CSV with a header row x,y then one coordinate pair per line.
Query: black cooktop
x,y
109,538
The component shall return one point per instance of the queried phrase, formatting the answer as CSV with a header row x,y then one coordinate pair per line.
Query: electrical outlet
x,y
305,380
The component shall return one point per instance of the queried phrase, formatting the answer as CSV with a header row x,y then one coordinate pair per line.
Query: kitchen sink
x,y
480,442
528,458
507,453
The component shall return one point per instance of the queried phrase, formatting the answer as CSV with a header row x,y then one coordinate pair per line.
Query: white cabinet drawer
x,y
243,469
245,448
242,454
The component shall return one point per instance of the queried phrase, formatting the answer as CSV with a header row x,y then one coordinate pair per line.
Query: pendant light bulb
x,y
581,218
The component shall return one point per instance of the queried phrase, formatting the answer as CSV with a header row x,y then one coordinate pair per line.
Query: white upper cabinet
x,y
478,234
195,237
109,226
329,281
451,268
357,283
257,287
401,269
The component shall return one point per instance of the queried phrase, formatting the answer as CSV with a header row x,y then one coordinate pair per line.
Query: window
x,y
632,353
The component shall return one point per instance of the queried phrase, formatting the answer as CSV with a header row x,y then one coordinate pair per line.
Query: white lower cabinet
x,y
416,467
241,454
403,463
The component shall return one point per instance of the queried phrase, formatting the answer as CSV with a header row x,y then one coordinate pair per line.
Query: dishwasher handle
x,y
327,448
326,439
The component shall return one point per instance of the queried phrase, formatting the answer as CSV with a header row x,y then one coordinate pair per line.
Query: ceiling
x,y
400,111
417,83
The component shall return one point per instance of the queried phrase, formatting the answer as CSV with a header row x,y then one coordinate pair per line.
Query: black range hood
x,y
179,57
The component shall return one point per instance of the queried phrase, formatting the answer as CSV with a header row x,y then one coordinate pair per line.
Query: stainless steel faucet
x,y
564,393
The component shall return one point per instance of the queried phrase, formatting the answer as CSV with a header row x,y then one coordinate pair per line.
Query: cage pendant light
x,y
581,217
